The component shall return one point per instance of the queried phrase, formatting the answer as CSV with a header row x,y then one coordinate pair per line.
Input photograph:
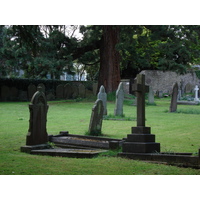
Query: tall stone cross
x,y
140,88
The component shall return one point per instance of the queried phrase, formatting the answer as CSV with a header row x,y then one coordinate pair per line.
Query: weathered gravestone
x,y
31,91
173,105
151,96
188,88
119,100
42,86
37,133
60,92
96,118
103,96
5,93
141,140
94,88
68,91
14,93
81,90
75,91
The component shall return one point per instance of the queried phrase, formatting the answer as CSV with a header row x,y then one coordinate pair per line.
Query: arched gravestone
x,y
103,96
60,92
119,100
31,91
68,91
38,108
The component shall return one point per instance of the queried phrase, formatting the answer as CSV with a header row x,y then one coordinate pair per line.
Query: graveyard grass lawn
x,y
176,132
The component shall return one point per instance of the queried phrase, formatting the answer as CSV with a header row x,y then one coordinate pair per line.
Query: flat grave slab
x,y
187,103
73,153
83,142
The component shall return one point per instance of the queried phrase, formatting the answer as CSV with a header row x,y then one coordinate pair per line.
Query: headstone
x,y
94,88
196,89
68,91
50,96
31,91
119,100
188,88
23,96
141,140
173,105
14,93
43,87
181,87
103,96
81,90
151,96
160,94
96,118
74,91
60,92
5,93
179,95
37,133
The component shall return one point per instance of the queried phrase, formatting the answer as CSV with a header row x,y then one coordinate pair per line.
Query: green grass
x,y
177,132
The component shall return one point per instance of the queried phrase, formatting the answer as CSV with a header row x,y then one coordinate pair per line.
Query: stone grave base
x,y
187,102
66,140
45,149
29,148
177,159
78,146
72,153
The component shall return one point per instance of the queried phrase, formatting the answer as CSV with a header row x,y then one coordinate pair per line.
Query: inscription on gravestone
x,y
103,96
119,100
38,108
96,118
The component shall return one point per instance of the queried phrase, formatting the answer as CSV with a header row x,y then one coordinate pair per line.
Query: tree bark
x,y
109,74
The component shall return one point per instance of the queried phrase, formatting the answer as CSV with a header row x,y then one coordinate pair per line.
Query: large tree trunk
x,y
109,74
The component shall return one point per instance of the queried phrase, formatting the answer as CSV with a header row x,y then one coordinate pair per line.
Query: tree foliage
x,y
47,49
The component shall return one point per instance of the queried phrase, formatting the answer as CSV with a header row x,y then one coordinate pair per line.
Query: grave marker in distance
x,y
119,100
103,96
173,105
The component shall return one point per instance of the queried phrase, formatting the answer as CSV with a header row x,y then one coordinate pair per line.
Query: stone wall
x,y
23,90
163,81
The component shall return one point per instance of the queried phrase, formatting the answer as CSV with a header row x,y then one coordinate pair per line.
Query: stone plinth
x,y
140,141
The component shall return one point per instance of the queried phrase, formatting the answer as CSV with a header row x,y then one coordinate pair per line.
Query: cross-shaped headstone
x,y
196,89
140,88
